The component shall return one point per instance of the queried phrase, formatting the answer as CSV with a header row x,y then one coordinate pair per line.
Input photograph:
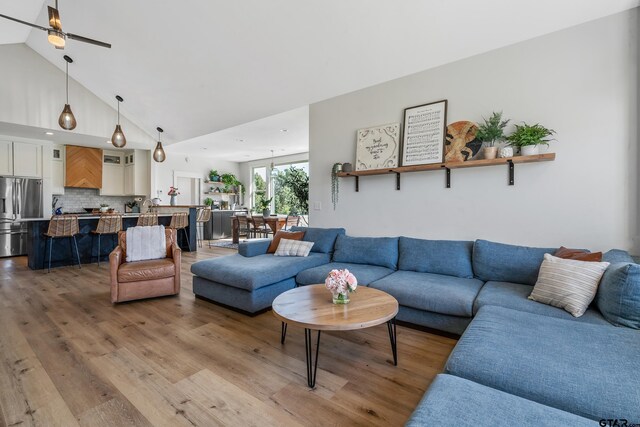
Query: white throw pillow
x,y
568,283
288,247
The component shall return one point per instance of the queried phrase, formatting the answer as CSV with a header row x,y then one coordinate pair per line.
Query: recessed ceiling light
x,y
48,133
284,130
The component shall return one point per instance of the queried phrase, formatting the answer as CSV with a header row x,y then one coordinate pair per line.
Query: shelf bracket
x,y
357,183
511,172
397,181
448,172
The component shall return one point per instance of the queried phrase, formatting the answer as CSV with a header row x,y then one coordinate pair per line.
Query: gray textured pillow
x,y
567,283
288,247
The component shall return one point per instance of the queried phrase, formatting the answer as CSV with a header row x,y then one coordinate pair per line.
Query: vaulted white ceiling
x,y
196,67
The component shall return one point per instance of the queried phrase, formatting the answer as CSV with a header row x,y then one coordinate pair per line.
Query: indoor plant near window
x,y
335,183
264,206
529,138
490,133
173,192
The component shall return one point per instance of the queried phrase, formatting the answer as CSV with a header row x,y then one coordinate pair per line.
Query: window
x,y
290,184
259,186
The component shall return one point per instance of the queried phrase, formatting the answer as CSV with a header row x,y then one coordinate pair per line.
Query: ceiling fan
x,y
56,36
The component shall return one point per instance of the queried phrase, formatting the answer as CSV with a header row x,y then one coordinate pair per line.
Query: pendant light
x,y
117,139
158,153
67,120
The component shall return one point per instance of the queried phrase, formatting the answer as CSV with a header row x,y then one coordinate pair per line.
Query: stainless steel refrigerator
x,y
19,198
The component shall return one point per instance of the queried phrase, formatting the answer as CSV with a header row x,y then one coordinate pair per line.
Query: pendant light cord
x,y
67,82
118,113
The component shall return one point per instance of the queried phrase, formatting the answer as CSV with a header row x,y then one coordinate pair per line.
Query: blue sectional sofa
x,y
518,362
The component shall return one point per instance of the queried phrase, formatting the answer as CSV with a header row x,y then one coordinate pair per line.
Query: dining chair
x,y
260,227
291,221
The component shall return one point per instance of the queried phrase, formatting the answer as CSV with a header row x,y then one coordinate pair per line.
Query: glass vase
x,y
340,298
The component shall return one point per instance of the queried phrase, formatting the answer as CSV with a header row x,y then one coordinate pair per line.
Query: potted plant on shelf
x,y
490,133
214,176
208,201
264,206
173,192
335,183
529,138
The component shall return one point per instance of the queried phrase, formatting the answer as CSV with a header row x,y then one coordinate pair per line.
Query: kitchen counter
x,y
38,252
90,216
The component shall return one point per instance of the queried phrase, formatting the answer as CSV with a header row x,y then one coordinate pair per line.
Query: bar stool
x,y
147,219
107,224
62,226
180,221
204,215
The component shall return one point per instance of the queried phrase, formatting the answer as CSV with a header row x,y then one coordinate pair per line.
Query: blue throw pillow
x,y
618,297
382,251
449,257
324,238
499,262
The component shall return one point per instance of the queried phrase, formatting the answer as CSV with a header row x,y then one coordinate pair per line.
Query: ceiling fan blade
x,y
23,22
88,40
54,18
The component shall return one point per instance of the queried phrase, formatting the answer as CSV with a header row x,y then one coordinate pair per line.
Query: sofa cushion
x,y
255,272
507,263
364,273
448,257
514,295
578,254
589,370
254,247
323,238
454,401
617,255
568,283
382,251
152,269
618,296
431,292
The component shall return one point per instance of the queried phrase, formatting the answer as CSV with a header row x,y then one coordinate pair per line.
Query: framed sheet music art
x,y
424,134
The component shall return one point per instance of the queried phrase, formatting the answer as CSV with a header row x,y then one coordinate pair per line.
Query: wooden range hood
x,y
83,167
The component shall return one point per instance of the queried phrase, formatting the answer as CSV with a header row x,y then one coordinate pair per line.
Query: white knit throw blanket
x,y
146,243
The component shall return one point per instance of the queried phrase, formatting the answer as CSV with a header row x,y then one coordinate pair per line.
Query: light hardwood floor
x,y
68,357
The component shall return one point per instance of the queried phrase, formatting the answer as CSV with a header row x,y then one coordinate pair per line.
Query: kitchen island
x,y
62,254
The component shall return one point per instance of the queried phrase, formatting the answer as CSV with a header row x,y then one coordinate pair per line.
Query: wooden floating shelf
x,y
447,166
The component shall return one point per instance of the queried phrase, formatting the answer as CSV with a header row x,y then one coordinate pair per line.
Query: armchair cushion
x,y
146,270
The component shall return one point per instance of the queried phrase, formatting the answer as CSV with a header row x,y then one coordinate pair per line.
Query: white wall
x,y
162,174
32,93
582,82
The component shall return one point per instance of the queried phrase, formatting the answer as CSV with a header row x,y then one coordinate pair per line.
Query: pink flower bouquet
x,y
340,283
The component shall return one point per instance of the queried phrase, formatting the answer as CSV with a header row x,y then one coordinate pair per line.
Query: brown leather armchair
x,y
144,279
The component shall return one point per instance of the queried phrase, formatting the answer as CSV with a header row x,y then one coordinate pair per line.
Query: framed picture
x,y
378,147
424,134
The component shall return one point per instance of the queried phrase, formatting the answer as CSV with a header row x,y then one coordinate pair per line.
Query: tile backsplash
x,y
76,199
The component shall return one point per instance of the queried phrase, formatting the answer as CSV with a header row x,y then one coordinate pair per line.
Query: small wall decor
x,y
424,130
378,147
461,144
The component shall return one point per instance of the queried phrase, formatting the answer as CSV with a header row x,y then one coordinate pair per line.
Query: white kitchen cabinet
x,y
129,180
27,159
6,158
112,174
57,170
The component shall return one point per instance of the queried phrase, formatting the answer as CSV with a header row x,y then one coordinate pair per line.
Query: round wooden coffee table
x,y
310,307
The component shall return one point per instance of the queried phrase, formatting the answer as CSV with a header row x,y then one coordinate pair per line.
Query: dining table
x,y
275,222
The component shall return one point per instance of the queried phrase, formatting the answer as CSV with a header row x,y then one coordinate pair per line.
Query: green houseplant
x,y
529,138
491,132
214,176
335,183
208,201
264,206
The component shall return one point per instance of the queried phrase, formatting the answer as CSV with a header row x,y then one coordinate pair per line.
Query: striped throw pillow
x,y
288,247
567,283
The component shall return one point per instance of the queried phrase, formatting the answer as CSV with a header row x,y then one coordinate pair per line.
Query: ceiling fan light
x,y
67,120
118,139
56,38
159,154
